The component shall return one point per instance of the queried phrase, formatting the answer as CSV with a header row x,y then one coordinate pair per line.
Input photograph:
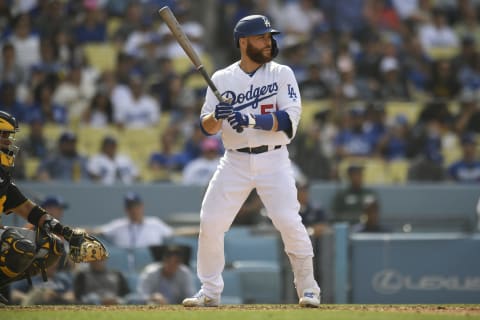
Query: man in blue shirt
x,y
467,169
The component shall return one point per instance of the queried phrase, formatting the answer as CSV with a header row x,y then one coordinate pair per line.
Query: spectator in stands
x,y
354,139
308,153
109,167
100,285
167,163
9,102
57,290
417,65
250,213
36,144
199,171
437,34
312,213
66,163
25,42
92,27
349,202
443,83
167,282
135,230
468,117
136,109
467,169
370,220
44,106
10,71
393,144
393,84
313,87
427,164
75,92
99,113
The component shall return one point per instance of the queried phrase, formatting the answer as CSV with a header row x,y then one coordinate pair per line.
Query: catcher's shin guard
x,y
16,254
50,249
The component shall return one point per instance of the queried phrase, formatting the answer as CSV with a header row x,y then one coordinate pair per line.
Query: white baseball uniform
x,y
270,88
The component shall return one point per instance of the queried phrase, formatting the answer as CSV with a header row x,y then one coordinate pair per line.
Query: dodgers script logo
x,y
252,96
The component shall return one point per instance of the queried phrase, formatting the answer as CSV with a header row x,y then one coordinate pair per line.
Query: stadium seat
x,y
232,291
411,110
375,170
310,108
31,166
102,56
119,259
397,171
251,247
142,258
260,281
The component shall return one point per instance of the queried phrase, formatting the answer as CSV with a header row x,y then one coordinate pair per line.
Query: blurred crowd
x,y
385,82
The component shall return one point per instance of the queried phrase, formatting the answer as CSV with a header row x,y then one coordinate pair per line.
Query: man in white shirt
x,y
108,167
132,107
135,230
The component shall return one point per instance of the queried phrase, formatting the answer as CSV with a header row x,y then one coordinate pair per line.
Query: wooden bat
x,y
182,39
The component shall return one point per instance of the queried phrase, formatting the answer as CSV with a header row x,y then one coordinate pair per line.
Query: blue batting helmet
x,y
254,25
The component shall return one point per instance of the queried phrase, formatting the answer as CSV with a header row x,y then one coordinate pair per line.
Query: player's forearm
x,y
211,125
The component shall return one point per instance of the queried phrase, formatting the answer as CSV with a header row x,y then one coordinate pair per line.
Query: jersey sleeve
x,y
12,198
289,99
210,100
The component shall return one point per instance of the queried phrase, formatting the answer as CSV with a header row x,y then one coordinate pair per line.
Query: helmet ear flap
x,y
274,47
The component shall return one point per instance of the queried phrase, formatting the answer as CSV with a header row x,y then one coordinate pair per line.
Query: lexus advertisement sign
x,y
415,269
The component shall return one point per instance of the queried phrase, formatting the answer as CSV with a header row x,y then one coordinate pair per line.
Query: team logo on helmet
x,y
267,22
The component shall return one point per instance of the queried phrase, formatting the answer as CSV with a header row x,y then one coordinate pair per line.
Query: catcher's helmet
x,y
8,149
254,25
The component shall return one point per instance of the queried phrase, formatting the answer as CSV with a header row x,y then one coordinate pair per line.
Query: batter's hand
x,y
238,121
223,110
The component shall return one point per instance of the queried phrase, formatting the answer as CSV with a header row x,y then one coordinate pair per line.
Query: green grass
x,y
254,312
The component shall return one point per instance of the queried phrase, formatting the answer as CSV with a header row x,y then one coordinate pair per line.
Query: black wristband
x,y
35,214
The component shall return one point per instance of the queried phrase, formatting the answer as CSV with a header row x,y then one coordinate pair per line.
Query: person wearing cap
x,y
66,163
354,139
135,230
109,167
168,281
201,170
349,202
466,169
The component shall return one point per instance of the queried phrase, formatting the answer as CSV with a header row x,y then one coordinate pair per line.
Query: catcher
x,y
25,252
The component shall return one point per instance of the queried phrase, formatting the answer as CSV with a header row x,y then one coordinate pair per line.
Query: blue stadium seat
x,y
119,259
232,291
142,257
264,247
260,281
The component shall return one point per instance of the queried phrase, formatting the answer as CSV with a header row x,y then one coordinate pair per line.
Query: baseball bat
x,y
184,42
182,39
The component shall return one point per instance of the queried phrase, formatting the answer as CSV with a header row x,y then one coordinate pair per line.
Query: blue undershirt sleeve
x,y
284,123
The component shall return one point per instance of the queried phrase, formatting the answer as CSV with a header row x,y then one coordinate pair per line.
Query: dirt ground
x,y
446,309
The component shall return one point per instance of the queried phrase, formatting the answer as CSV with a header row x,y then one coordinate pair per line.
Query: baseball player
x,y
259,121
25,252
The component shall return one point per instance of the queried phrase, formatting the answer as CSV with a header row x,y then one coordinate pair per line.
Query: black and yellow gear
x,y
8,148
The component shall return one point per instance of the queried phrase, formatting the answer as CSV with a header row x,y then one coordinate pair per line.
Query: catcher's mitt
x,y
86,248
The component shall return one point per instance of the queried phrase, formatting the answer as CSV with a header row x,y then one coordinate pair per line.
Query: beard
x,y
257,55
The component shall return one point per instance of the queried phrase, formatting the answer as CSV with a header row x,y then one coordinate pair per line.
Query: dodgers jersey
x,y
272,87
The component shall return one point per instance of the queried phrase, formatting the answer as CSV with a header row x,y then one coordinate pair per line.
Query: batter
x,y
257,123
